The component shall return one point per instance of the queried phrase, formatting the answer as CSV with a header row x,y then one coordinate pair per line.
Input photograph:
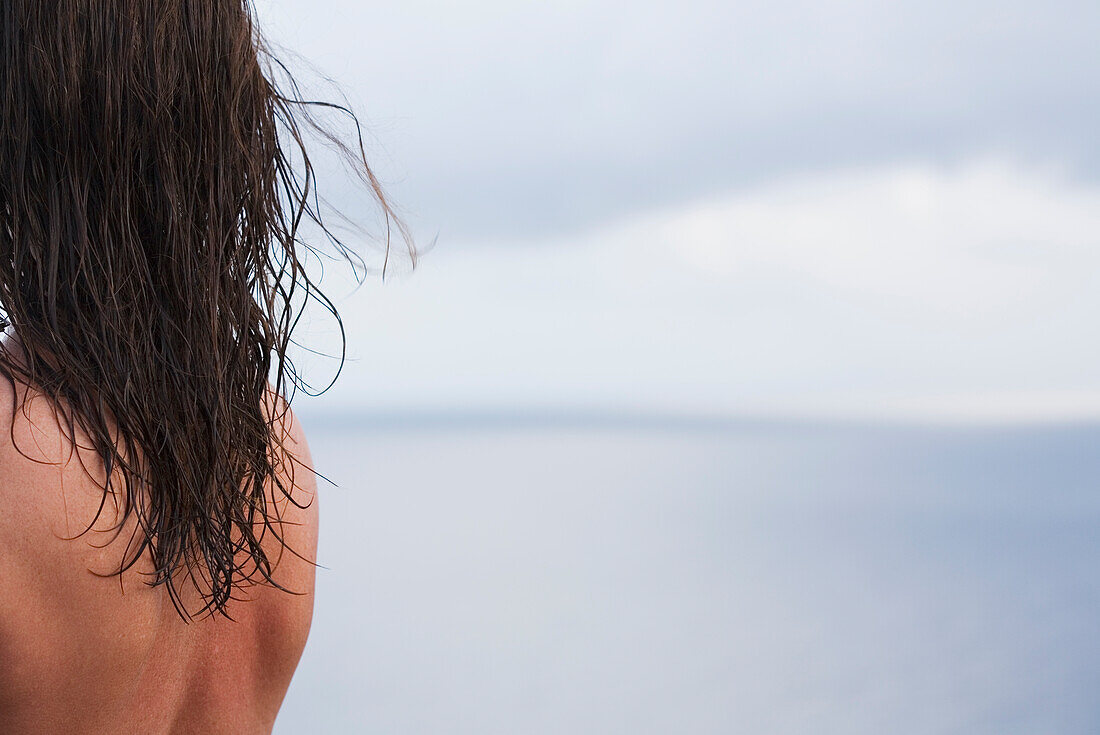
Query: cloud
x,y
972,240
893,291
511,119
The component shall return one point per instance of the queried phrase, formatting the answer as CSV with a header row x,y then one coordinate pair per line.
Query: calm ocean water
x,y
756,578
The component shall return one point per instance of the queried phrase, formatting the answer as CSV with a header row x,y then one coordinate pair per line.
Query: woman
x,y
159,513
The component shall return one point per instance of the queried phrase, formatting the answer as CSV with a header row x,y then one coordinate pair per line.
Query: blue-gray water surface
x,y
757,578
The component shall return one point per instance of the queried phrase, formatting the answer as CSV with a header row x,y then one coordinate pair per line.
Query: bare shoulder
x,y
66,617
293,499
56,523
292,532
50,488
62,614
55,510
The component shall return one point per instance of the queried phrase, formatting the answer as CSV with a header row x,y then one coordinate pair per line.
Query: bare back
x,y
81,653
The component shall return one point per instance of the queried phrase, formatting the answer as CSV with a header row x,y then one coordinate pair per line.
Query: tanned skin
x,y
81,653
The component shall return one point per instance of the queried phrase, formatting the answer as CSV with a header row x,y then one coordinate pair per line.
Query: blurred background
x,y
750,384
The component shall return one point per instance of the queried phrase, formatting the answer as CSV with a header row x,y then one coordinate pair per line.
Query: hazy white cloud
x,y
902,290
514,118
852,206
965,242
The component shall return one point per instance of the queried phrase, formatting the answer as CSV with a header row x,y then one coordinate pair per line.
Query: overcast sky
x,y
843,207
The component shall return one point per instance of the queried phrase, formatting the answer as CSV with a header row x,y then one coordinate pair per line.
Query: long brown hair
x,y
155,185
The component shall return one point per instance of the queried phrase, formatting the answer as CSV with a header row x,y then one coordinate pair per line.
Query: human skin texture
x,y
83,653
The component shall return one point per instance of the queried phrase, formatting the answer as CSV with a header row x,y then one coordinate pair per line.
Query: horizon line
x,y
602,418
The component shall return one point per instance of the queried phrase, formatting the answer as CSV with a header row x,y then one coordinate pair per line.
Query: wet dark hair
x,y
155,190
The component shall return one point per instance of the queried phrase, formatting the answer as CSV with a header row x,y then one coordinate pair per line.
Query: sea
x,y
500,575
